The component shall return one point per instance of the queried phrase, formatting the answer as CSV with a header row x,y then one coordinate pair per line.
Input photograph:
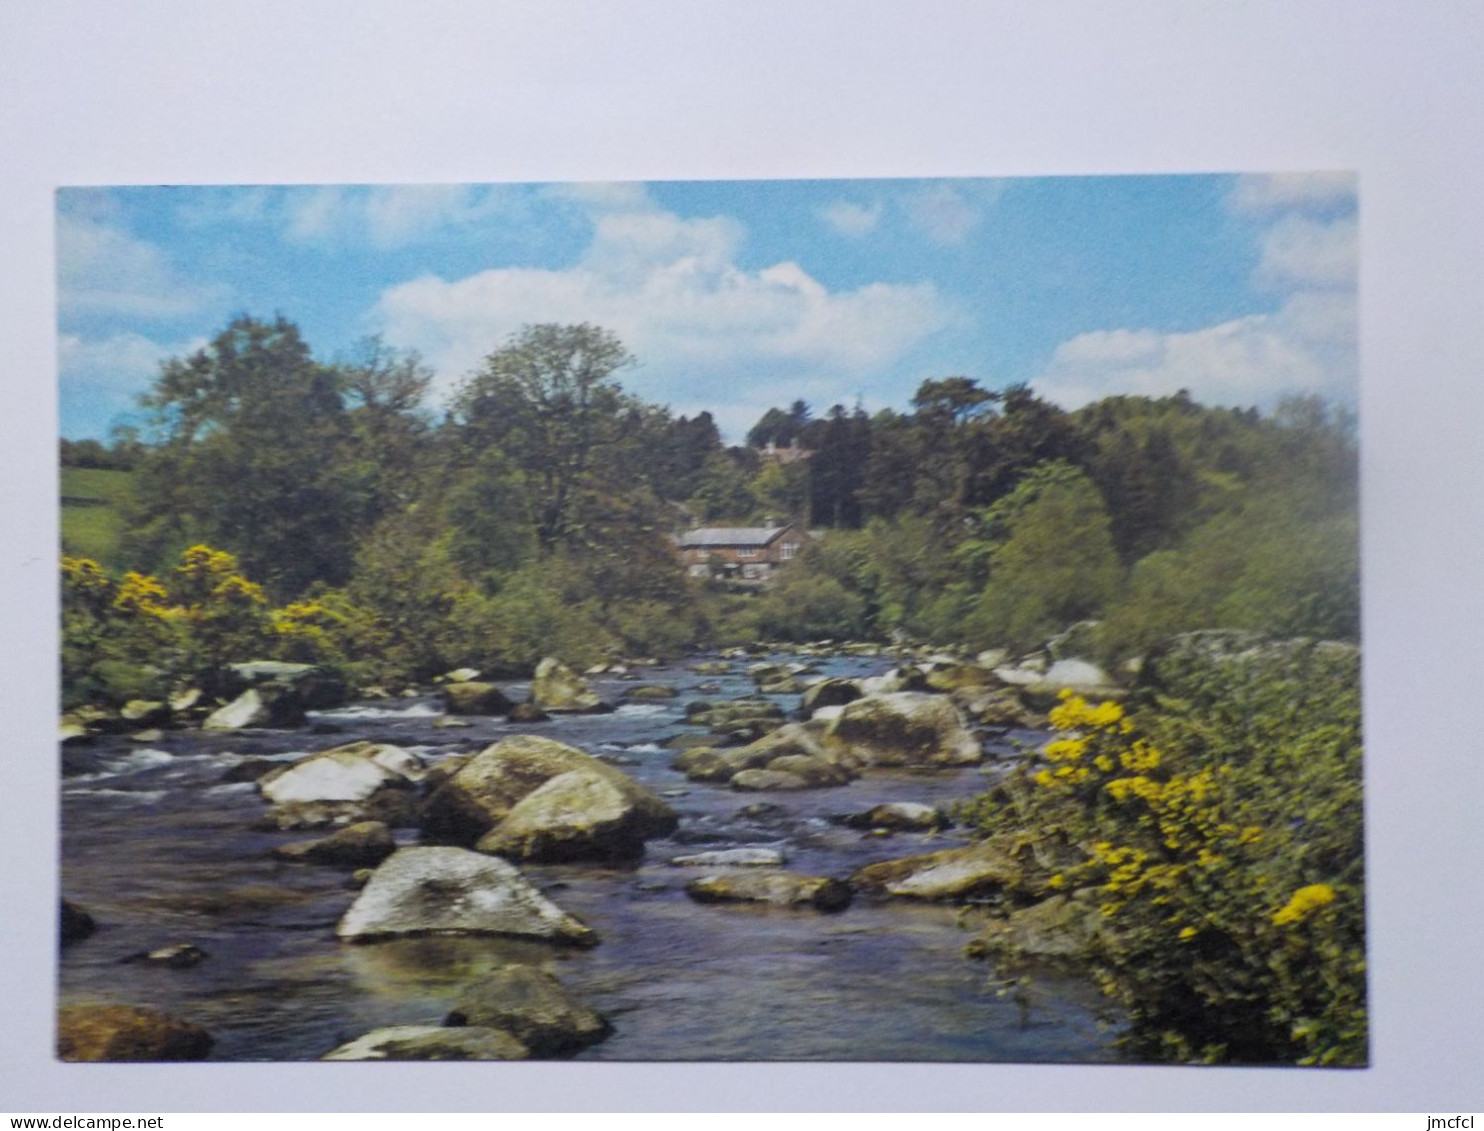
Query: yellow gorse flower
x,y
1304,903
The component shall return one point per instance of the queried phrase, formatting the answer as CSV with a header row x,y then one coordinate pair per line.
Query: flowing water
x,y
159,850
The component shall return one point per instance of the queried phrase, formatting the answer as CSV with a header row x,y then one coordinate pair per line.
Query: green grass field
x,y
91,516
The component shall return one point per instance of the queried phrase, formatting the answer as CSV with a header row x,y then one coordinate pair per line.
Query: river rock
x,y
578,815
127,1033
817,771
314,687
343,773
766,781
906,728
145,712
431,1042
949,677
488,787
996,707
650,692
908,816
711,667
903,678
829,693
459,675
732,858
177,956
778,888
275,709
76,924
557,689
528,713
471,698
1056,928
534,1007
363,844
437,890
985,868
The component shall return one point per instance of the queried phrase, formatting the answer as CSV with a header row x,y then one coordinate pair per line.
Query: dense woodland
x,y
533,515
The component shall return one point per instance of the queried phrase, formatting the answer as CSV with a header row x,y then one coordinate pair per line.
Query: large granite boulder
x,y
776,888
578,815
431,1042
987,867
344,773
487,789
534,1007
436,890
557,689
906,728
127,1033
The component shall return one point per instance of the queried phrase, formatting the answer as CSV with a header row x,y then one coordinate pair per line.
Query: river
x,y
159,850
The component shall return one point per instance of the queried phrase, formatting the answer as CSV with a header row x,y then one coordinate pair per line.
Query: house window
x,y
747,553
788,550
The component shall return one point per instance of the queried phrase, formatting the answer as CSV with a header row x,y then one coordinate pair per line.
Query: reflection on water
x,y
159,850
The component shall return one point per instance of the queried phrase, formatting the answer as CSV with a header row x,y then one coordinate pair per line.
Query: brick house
x,y
744,553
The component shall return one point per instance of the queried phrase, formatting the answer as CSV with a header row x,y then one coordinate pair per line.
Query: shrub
x,y
1221,834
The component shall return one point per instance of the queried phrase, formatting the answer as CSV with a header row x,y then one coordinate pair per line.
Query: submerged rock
x,y
732,858
532,1006
829,693
363,844
177,956
780,889
452,890
127,1033
557,689
431,1042
763,781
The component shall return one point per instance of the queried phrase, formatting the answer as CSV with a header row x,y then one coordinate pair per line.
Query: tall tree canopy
x,y
251,430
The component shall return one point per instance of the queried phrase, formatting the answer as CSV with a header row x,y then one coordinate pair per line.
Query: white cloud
x,y
122,363
1307,346
1289,192
671,290
942,213
105,270
1301,252
849,219
388,216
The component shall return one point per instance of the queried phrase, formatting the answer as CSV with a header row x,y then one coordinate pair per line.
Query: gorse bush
x,y
1221,837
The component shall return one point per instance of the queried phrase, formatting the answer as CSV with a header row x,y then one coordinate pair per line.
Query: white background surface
x,y
157,91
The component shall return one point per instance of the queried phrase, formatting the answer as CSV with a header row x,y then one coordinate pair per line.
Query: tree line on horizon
x,y
534,514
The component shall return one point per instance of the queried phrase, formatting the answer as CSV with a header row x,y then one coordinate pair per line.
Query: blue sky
x,y
735,296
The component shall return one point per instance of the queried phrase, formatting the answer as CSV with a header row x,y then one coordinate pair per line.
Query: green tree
x,y
1051,559
250,459
549,401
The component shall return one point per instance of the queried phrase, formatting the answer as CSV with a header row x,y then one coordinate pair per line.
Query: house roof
x,y
730,536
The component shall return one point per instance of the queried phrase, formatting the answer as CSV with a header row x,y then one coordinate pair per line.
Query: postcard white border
x,y
317,91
